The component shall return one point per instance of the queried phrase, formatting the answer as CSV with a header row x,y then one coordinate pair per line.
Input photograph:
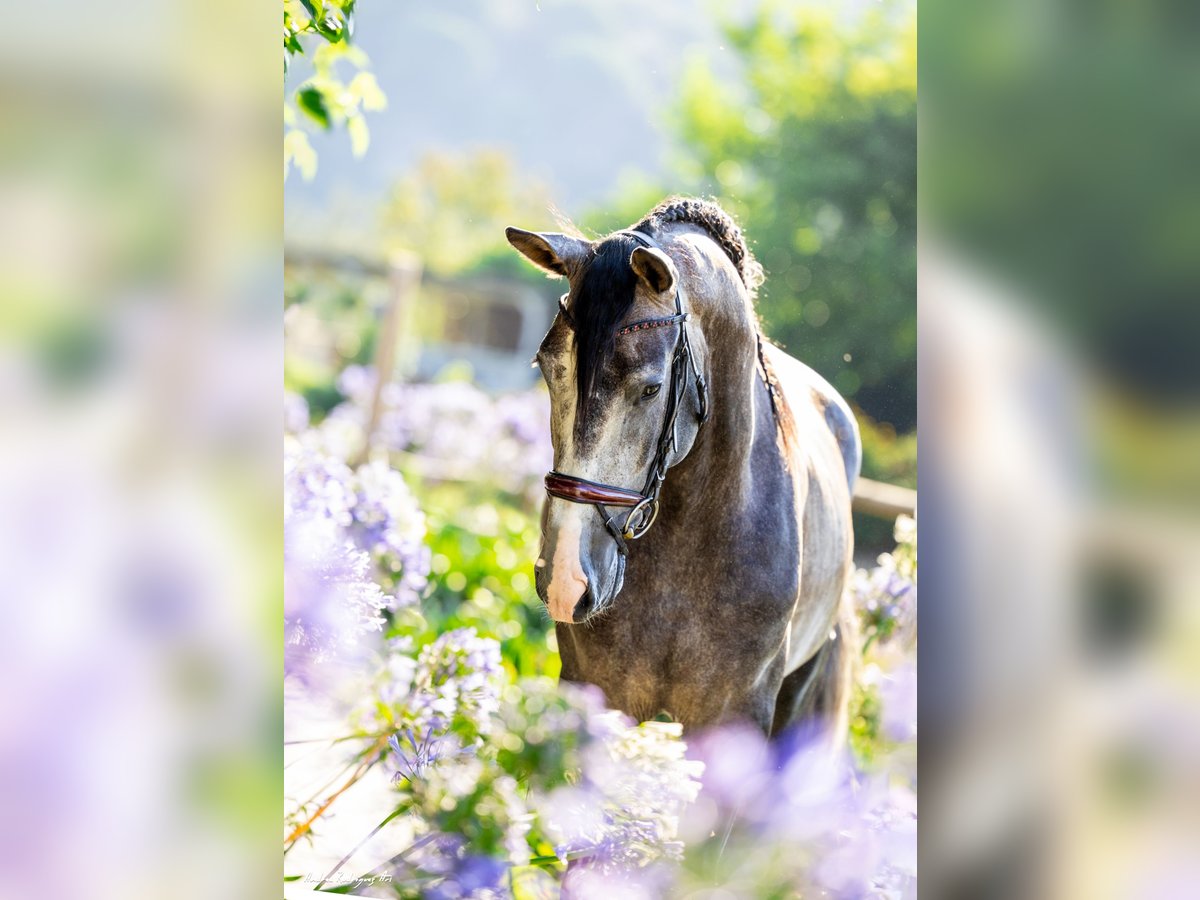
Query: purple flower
x,y
457,429
330,601
295,412
624,810
458,679
886,596
738,765
583,882
374,507
424,752
898,696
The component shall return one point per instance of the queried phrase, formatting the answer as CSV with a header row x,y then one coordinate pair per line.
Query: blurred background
x,y
140,350
1060,304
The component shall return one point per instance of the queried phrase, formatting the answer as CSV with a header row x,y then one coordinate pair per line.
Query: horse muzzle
x,y
579,573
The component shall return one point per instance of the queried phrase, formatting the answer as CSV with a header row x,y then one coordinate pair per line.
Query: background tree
x,y
452,209
815,151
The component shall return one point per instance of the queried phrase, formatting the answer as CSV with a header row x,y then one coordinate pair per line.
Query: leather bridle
x,y
643,505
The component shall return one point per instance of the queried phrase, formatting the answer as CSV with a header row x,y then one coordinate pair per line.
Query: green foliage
x,y
452,210
887,457
866,739
483,544
325,99
1067,172
815,153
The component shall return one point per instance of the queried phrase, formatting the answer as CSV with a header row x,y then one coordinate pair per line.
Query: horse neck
x,y
717,475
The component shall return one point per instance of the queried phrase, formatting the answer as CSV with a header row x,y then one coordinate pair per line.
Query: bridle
x,y
642,505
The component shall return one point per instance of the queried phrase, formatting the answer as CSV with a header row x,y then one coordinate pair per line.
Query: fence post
x,y
404,277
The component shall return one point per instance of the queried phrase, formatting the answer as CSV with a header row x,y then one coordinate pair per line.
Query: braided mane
x,y
720,227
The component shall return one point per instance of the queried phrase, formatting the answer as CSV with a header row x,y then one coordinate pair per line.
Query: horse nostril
x,y
584,606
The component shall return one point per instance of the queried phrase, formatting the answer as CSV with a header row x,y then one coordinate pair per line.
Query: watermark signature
x,y
342,880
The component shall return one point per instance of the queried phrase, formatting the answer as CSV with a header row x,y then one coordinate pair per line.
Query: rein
x,y
643,505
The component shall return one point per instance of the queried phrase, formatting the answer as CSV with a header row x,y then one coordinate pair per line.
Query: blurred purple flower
x,y
329,598
624,811
295,412
423,752
898,697
470,434
372,504
591,883
738,766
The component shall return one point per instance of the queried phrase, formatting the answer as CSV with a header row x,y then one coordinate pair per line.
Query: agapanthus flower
x,y
624,813
316,485
330,599
464,431
457,683
372,504
388,523
649,882
413,755
295,412
898,697
886,595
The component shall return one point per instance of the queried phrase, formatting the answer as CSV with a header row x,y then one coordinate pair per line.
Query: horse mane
x,y
720,226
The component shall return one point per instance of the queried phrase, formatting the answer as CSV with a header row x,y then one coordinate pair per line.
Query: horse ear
x,y
654,268
558,254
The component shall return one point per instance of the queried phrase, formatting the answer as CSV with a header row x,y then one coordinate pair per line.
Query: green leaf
x,y
331,27
366,89
314,9
360,136
298,152
312,101
533,883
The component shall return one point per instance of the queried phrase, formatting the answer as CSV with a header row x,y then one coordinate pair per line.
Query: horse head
x,y
627,397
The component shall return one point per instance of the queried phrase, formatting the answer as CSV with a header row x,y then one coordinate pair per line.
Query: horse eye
x,y
651,389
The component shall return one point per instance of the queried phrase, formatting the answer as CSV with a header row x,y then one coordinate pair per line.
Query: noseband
x,y
643,505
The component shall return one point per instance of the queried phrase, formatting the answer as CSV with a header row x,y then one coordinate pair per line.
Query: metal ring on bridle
x,y
632,530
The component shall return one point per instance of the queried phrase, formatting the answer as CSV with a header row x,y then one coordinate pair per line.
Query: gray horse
x,y
696,540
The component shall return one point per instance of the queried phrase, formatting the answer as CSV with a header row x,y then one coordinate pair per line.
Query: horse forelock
x,y
604,298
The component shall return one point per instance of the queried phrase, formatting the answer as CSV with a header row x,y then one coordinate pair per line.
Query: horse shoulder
x,y
825,461
815,403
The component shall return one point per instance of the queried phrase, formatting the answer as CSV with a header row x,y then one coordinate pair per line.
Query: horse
x,y
696,534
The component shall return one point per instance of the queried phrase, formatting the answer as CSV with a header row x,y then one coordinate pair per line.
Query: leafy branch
x,y
321,31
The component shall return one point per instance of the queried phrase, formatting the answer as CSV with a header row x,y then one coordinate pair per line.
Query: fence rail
x,y
886,501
